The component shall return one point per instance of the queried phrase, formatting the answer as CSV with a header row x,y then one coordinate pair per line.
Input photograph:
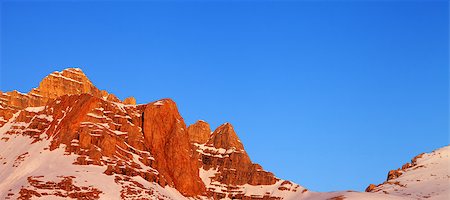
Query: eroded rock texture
x,y
150,141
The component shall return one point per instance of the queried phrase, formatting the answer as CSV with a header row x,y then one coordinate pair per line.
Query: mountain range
x,y
68,139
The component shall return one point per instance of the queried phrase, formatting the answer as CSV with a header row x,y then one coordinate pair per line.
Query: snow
x,y
158,103
51,164
119,132
75,71
34,94
429,179
46,117
95,116
207,175
99,125
75,142
35,109
159,192
59,75
215,152
123,116
20,93
137,161
121,106
294,192
347,195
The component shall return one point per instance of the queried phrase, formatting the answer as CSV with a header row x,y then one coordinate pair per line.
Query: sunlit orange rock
x,y
167,140
130,101
199,132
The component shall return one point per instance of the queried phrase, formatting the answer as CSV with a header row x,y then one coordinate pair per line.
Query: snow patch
x,y
158,103
35,109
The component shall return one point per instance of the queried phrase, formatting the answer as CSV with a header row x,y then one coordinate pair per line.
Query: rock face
x,y
199,132
225,137
70,81
227,165
130,101
164,129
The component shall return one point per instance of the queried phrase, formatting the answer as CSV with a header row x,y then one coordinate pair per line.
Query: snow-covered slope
x,y
426,177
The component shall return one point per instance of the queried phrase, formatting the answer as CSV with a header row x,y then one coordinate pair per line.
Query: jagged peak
x,y
70,81
66,82
225,137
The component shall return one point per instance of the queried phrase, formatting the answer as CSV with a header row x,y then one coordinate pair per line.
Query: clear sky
x,y
328,94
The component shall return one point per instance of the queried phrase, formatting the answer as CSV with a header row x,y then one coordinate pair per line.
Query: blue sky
x,y
329,94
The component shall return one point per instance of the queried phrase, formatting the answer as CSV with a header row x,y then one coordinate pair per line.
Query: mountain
x,y
68,139
427,173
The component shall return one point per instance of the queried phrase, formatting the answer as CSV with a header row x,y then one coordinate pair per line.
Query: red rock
x,y
225,137
393,174
68,82
199,132
163,130
370,188
71,81
130,101
233,164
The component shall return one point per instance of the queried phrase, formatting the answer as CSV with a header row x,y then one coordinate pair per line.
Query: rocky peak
x,y
129,101
199,132
67,82
70,81
225,137
224,153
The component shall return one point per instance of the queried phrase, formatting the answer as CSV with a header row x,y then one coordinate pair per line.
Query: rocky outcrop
x,y
199,132
68,82
130,101
225,137
225,154
71,81
370,188
64,188
167,140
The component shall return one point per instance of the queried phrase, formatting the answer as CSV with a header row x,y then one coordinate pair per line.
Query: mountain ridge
x,y
146,150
